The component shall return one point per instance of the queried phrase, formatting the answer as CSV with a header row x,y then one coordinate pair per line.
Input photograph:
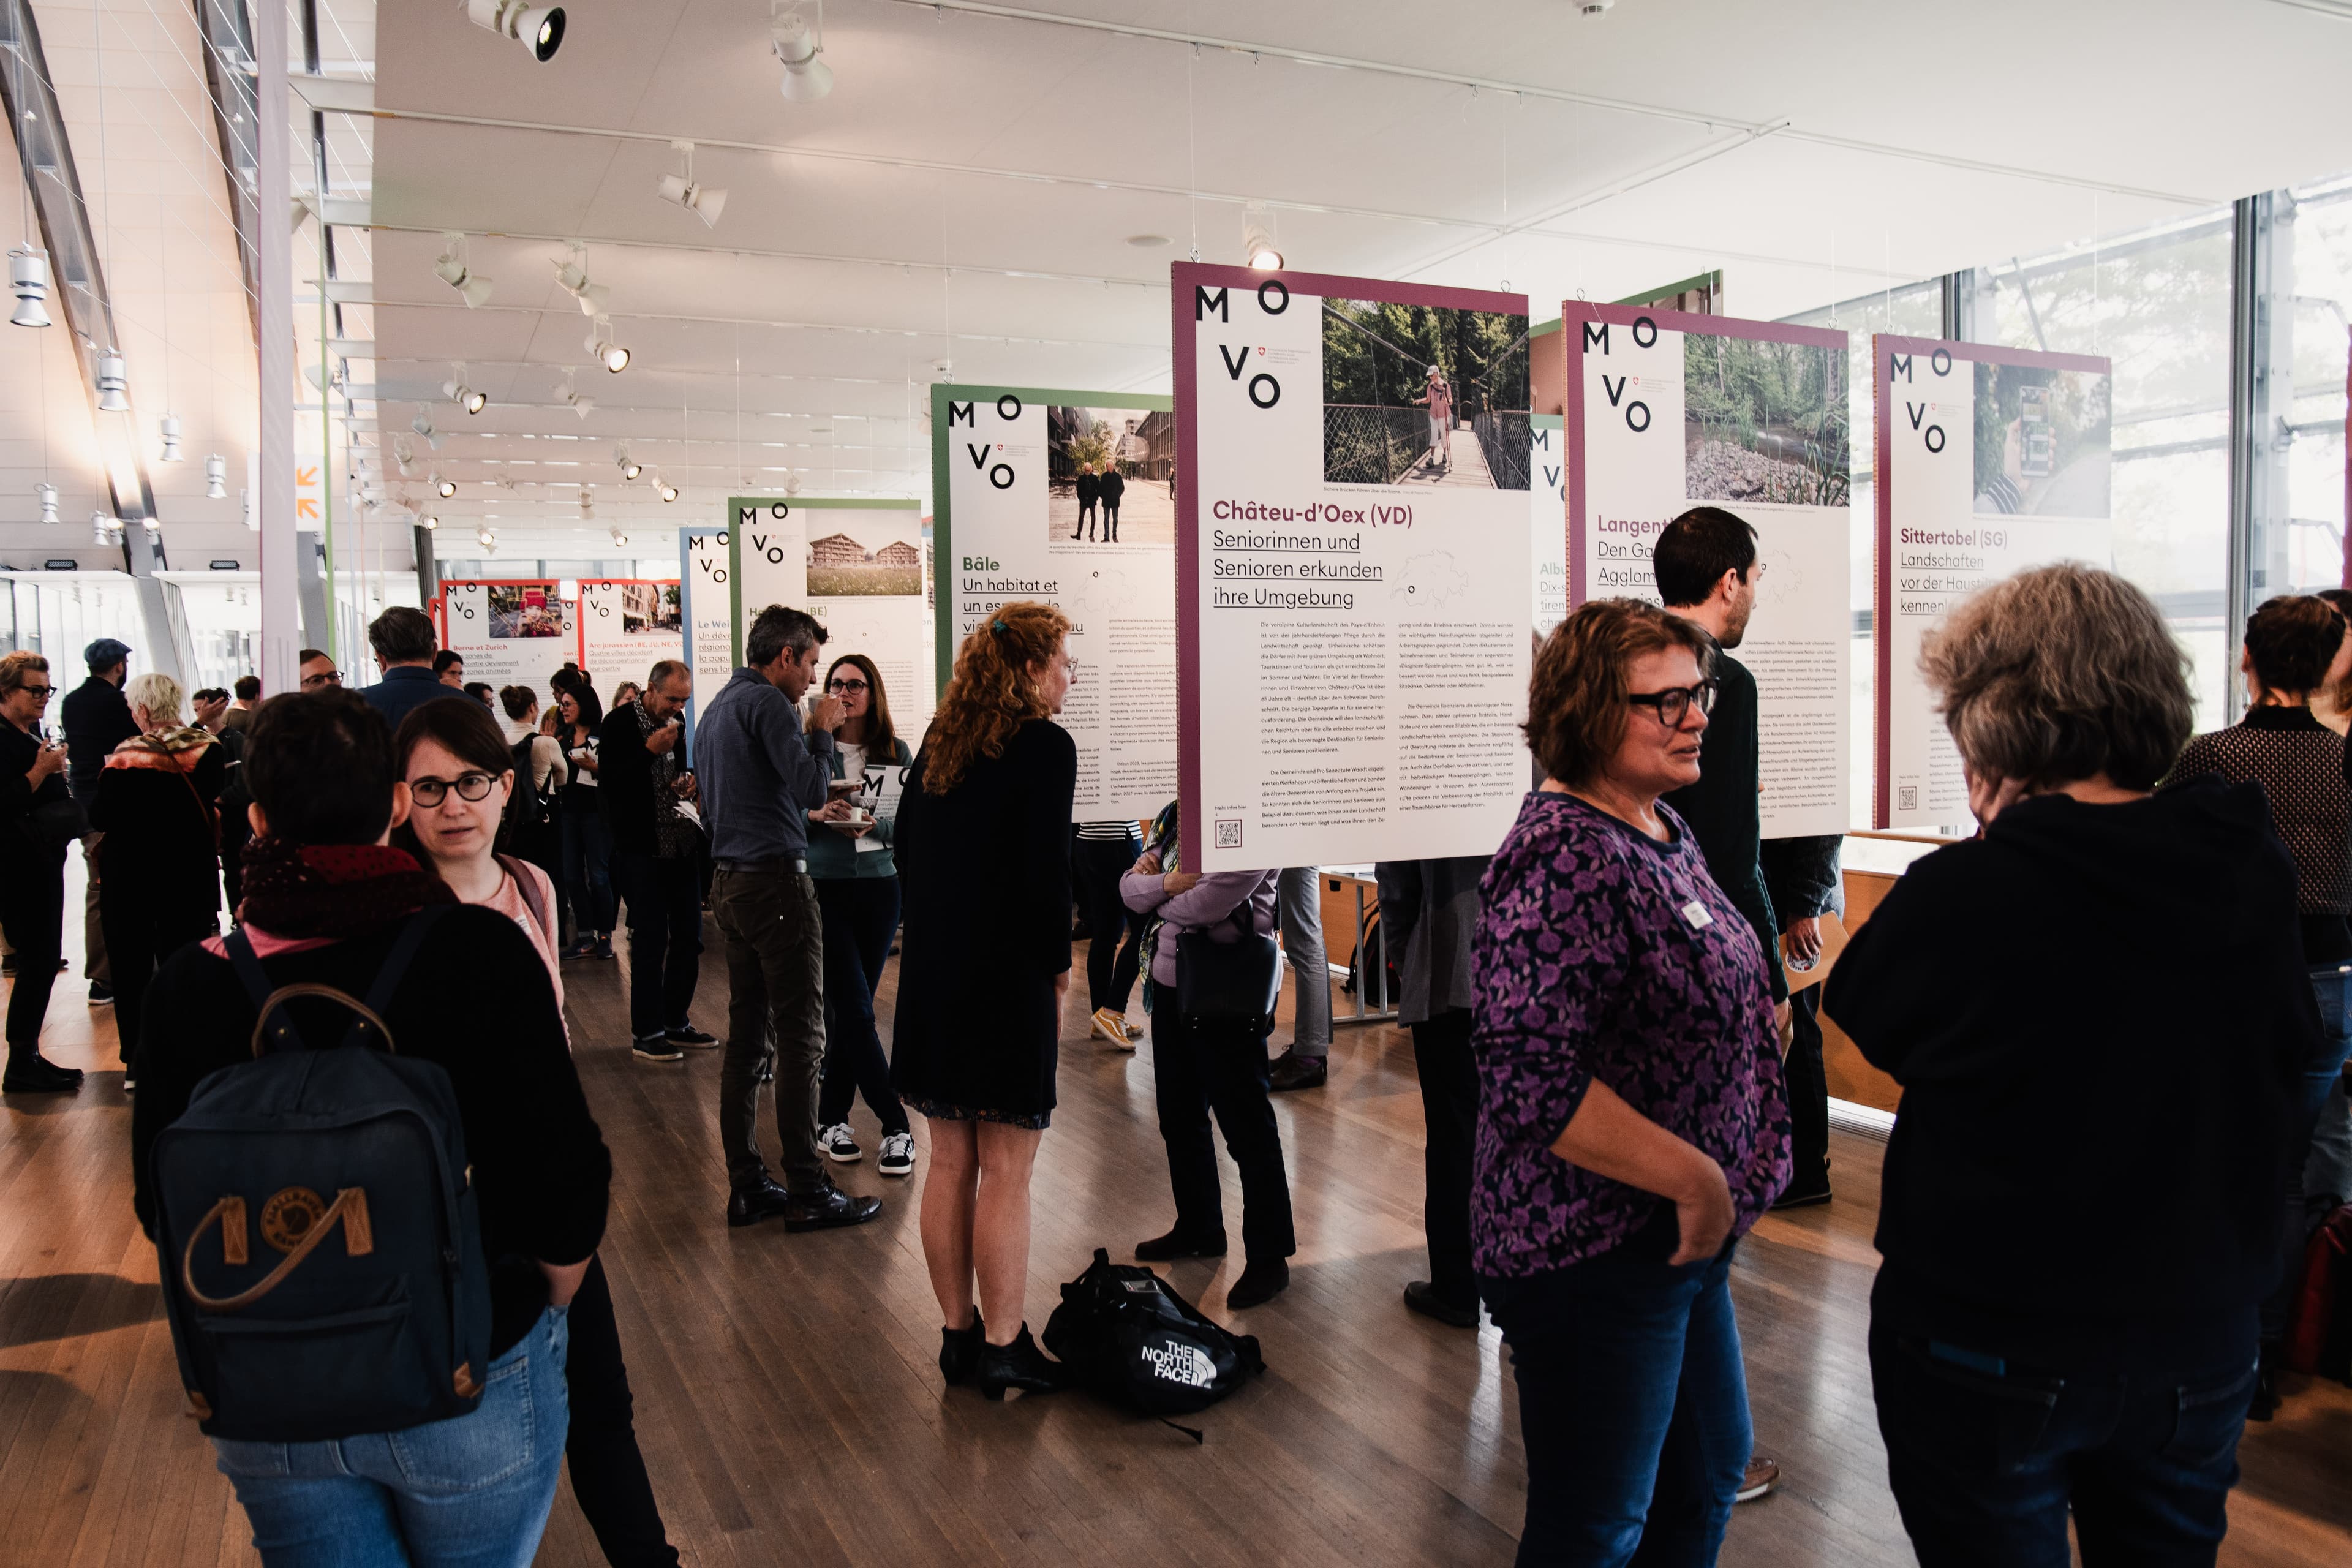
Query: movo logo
x,y
1187,1364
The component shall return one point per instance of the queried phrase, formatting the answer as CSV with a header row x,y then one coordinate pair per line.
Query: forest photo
x,y
1764,422
1418,395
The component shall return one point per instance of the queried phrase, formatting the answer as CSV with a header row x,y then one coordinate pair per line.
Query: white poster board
x,y
857,564
1991,460
1548,522
1352,647
628,625
707,606
511,631
1006,476
1668,410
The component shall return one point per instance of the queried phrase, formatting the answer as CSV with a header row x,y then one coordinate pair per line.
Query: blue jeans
x,y
588,872
469,1493
1632,1404
2323,1073
1987,1458
1299,906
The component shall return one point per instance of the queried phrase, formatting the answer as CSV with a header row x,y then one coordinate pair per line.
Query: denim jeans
x,y
588,872
1298,906
860,915
2321,1075
469,1493
1986,1458
1632,1404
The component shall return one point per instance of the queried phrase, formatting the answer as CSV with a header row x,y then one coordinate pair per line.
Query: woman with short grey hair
x,y
2096,1008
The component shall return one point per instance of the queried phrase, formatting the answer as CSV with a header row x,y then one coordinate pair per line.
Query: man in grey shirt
x,y
761,776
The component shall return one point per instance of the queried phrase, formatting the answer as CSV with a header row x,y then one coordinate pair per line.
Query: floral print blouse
x,y
1605,953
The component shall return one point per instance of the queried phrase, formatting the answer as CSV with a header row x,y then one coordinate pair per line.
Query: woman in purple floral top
x,y
1632,1122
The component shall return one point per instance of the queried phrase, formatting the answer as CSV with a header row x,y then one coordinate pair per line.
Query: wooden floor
x,y
791,1412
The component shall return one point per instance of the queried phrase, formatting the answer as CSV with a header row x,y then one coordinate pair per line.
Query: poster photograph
x,y
525,610
1024,507
511,631
1991,460
854,563
1668,410
1353,516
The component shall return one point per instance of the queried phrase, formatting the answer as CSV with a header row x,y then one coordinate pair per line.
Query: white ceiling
x,y
969,190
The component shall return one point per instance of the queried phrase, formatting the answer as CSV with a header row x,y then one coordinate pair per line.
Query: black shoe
x,y
656,1048
1422,1297
750,1205
36,1074
1019,1365
687,1035
101,994
1176,1244
1259,1283
1292,1070
2266,1395
828,1208
1804,1197
959,1351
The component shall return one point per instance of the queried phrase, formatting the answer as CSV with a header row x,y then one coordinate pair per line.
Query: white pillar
x,y
282,615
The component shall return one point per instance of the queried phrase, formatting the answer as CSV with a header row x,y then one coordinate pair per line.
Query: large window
x,y
2314,232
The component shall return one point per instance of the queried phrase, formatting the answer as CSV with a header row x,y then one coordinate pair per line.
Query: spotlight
x,y
664,489
48,495
793,477
113,383
463,396
423,425
806,78
444,488
572,273
618,537
454,269
564,389
1258,241
629,470
604,348
101,528
216,478
28,275
487,541
428,522
705,202
403,452
538,28
172,439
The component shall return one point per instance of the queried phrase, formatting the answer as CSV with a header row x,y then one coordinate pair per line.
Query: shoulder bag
x,y
1229,985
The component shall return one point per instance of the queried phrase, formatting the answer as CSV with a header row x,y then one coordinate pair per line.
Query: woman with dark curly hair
x,y
983,848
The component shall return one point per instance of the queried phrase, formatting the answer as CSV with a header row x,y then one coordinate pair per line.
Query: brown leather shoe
x,y
1762,1472
1291,1071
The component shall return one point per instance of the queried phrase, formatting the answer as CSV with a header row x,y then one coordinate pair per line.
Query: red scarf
x,y
334,890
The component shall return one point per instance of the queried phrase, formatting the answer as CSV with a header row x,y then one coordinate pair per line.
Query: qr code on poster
x,y
1229,835
1907,799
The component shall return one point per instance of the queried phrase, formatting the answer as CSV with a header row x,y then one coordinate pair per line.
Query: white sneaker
x,y
898,1155
839,1145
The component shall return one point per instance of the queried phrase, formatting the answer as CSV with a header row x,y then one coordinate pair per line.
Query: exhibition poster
x,y
854,563
707,607
1547,520
1069,498
1668,410
511,631
1989,460
1351,527
628,625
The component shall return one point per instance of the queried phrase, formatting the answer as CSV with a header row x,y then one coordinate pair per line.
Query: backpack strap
x,y
367,1014
529,887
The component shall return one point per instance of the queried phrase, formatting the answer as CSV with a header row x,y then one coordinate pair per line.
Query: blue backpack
x,y
321,1258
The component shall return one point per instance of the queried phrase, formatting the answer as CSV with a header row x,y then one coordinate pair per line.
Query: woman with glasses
x,y
587,837
35,828
857,877
1631,1119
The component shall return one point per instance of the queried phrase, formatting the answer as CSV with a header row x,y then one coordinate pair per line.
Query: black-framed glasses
x,y
469,786
846,687
324,677
42,693
1673,704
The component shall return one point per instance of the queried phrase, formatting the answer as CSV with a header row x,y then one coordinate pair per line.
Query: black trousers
x,y
664,900
1111,521
1200,1067
142,932
1114,932
860,915
608,1472
32,908
1449,1110
1809,1094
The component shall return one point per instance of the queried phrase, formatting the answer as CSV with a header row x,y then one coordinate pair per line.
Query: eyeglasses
x,y
324,677
39,693
1071,665
469,786
846,686
1673,704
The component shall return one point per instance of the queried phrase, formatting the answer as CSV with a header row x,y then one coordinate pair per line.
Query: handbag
x,y
57,822
1229,985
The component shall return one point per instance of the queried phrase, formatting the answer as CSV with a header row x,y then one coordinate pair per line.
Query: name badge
x,y
1695,914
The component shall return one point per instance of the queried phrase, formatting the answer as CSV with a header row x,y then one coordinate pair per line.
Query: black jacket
x,y
1725,810
1113,488
626,783
97,718
1802,875
161,849
18,801
1089,487
2096,1012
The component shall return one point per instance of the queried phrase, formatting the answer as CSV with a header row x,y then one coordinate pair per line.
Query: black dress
x,y
985,869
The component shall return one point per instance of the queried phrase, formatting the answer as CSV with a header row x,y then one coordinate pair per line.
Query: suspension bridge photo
x,y
1416,395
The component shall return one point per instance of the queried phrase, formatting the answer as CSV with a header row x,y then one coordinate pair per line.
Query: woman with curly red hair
x,y
983,848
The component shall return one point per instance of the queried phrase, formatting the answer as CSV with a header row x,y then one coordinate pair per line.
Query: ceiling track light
x,y
538,28
487,541
456,390
629,470
113,383
428,522
172,439
664,489
442,486
423,425
705,202
216,478
47,494
455,270
564,389
572,272
603,345
619,538
28,278
1258,240
403,453
806,78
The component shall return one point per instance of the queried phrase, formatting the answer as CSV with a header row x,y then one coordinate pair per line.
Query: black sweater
x,y
1727,813
2097,1013
478,1001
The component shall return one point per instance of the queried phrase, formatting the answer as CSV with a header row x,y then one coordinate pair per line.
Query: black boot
x,y
959,1351
1261,1282
750,1205
29,1072
1019,1365
1178,1243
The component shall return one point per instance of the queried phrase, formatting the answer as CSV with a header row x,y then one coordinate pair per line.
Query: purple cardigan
x,y
1209,903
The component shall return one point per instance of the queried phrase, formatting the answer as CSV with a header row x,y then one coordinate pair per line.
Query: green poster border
x,y
735,505
943,529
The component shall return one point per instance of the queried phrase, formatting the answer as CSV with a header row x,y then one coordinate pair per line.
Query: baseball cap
x,y
104,652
